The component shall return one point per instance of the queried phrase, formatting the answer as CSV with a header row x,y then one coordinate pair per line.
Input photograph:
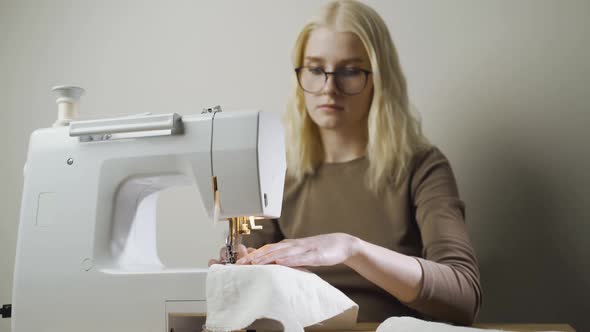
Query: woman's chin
x,y
329,122
330,125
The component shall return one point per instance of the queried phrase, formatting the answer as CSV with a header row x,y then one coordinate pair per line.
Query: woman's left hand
x,y
319,250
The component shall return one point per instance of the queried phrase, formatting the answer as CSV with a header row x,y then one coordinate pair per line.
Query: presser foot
x,y
231,256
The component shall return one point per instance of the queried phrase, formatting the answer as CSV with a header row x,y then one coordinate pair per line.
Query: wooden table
x,y
527,327
371,327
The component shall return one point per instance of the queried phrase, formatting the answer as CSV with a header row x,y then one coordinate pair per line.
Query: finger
x,y
264,250
309,258
279,254
222,254
212,261
242,251
242,260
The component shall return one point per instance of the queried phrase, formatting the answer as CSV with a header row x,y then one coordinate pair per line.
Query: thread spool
x,y
68,100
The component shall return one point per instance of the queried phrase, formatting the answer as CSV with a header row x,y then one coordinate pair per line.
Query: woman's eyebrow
x,y
322,60
352,60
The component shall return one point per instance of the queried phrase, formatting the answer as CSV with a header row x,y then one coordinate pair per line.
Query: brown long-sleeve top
x,y
423,218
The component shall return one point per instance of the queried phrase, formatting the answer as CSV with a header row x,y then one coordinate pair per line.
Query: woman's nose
x,y
330,85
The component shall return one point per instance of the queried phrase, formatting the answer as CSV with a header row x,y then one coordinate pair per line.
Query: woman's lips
x,y
330,107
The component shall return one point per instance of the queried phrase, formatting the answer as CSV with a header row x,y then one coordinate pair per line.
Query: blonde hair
x,y
395,135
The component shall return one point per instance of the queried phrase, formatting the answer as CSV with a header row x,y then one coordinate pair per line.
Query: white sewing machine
x,y
86,253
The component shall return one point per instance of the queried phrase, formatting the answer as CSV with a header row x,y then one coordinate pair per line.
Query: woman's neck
x,y
341,146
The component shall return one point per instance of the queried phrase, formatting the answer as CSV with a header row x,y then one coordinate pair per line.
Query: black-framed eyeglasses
x,y
349,81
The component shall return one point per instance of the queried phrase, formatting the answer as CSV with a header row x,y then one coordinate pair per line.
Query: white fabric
x,y
410,324
238,295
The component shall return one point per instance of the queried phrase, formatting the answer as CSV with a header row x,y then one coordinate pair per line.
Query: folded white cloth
x,y
238,295
410,324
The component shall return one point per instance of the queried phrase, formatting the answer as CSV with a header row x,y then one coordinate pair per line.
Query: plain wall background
x,y
502,87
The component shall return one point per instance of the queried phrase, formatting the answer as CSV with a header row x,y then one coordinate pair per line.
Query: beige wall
x,y
502,87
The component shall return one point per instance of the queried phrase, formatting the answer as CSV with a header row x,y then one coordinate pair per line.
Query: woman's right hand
x,y
242,251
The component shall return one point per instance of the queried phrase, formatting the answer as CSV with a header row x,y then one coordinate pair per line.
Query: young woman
x,y
369,204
